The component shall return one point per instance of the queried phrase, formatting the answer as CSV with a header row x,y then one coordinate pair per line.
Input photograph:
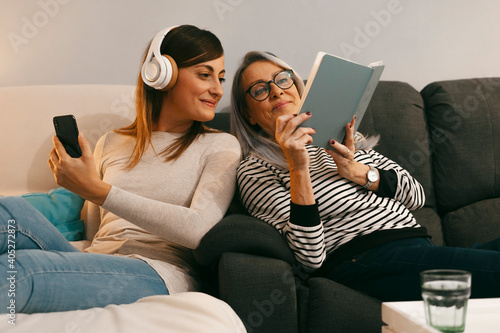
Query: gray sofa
x,y
447,136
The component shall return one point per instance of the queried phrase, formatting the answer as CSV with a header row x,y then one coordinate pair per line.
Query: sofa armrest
x,y
243,234
261,290
333,305
255,272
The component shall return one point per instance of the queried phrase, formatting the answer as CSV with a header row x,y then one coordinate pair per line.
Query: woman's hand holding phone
x,y
78,175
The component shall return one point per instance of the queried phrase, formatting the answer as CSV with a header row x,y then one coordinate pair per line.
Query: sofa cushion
x,y
62,208
478,222
464,127
428,218
396,113
179,313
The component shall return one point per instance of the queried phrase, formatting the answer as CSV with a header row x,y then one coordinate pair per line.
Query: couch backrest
x,y
464,126
221,121
26,128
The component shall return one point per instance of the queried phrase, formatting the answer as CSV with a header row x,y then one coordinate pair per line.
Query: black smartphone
x,y
67,132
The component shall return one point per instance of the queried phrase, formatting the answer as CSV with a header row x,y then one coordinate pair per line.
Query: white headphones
x,y
159,71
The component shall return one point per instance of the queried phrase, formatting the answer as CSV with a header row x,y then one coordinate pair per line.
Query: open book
x,y
336,90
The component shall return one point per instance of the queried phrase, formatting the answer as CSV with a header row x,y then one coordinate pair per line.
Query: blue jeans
x,y
40,271
390,272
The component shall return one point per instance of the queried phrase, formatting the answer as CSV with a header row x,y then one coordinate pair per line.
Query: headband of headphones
x,y
159,71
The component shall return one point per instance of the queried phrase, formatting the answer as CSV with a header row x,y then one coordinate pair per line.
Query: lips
x,y
281,105
209,103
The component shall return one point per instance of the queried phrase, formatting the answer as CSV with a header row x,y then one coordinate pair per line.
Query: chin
x,y
206,116
284,111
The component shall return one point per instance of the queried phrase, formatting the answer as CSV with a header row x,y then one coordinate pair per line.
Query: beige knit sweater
x,y
159,211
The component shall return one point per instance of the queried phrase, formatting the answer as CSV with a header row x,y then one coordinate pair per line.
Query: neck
x,y
172,128
167,121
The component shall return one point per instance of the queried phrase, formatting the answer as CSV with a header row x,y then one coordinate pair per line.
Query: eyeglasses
x,y
261,90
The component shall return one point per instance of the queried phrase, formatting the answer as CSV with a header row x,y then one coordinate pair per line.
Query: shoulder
x,y
111,139
107,148
252,165
250,162
220,141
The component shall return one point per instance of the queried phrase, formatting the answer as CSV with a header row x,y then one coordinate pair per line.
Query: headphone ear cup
x,y
175,72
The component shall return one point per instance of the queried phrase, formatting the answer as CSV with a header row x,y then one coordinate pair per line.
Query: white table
x,y
483,316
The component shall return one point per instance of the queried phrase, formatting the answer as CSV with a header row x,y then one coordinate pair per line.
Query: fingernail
x,y
295,115
332,141
308,113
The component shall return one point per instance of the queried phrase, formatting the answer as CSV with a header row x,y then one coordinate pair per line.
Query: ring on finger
x,y
347,154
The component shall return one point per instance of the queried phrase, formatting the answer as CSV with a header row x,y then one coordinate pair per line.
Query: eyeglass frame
x,y
268,83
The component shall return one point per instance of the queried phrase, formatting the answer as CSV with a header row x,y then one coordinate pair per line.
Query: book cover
x,y
336,90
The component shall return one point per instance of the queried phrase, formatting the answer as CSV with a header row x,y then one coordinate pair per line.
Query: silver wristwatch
x,y
372,177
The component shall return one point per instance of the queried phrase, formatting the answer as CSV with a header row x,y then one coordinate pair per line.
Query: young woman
x,y
345,212
155,188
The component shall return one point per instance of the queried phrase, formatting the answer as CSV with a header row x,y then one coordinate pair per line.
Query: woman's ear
x,y
248,116
251,120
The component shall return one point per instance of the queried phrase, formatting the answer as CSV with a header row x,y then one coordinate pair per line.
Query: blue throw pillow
x,y
62,208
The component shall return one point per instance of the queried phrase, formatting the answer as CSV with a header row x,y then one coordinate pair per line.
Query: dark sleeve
x,y
388,183
304,215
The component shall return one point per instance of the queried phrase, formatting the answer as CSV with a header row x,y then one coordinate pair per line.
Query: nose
x,y
275,91
216,89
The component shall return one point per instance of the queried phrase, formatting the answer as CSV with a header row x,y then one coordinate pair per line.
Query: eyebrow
x,y
261,80
210,68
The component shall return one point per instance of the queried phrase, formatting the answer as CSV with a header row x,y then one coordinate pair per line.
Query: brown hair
x,y
188,46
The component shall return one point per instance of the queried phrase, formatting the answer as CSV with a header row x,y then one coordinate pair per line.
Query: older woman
x,y
345,212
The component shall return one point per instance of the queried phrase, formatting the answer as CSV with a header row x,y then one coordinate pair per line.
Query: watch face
x,y
372,175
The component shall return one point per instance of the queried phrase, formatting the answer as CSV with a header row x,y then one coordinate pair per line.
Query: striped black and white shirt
x,y
344,210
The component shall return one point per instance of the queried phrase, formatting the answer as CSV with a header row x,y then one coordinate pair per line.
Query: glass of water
x,y
445,293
